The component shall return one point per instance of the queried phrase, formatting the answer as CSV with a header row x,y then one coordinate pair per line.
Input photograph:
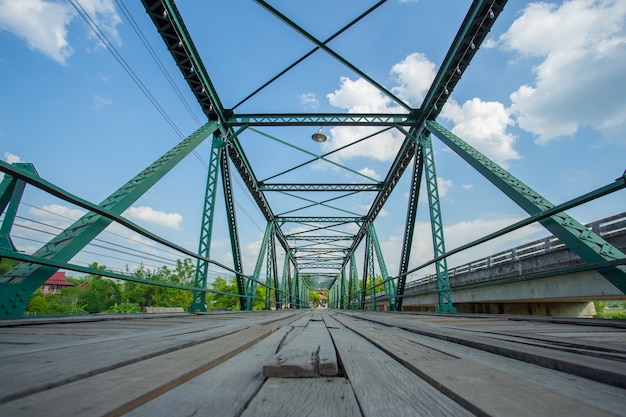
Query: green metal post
x,y
409,229
585,243
251,284
206,228
229,200
390,287
436,223
21,281
356,295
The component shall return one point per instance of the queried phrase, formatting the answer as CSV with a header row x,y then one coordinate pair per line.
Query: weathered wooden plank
x,y
600,369
223,391
481,389
305,397
49,367
115,392
384,387
595,394
311,354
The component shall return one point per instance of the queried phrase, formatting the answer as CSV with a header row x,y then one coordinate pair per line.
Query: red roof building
x,y
54,284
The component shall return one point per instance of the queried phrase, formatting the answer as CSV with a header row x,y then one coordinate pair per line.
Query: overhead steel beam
x,y
321,187
169,23
335,238
319,219
324,119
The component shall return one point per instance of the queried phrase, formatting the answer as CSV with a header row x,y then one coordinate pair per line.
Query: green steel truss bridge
x,y
321,254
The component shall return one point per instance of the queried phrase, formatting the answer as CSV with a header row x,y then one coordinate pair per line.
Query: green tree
x,y
222,301
314,298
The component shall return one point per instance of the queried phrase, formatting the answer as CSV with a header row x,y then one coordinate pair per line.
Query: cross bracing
x,y
314,222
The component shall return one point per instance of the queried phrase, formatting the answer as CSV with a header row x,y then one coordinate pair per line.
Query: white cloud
x,y
44,24
148,214
358,96
580,80
99,101
443,186
11,159
309,100
467,186
415,74
483,125
369,172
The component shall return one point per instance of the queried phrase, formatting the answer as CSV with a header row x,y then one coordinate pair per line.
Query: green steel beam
x,y
169,23
324,119
444,304
390,288
321,238
25,278
409,229
251,284
319,219
320,187
585,243
206,228
229,200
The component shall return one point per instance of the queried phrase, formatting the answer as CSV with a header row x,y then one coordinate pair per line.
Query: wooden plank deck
x,y
312,362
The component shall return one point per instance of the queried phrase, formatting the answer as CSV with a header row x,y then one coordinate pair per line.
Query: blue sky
x,y
543,97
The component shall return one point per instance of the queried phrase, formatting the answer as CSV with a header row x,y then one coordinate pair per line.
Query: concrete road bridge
x,y
543,277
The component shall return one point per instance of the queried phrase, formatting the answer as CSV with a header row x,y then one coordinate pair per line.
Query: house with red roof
x,y
55,283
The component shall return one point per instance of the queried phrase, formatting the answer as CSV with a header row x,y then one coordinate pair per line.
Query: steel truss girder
x,y
323,119
271,272
169,23
320,265
229,200
252,284
409,229
25,278
444,304
585,243
320,187
319,219
335,238
390,288
206,228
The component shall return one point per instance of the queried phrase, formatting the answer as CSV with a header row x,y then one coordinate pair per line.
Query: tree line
x,y
92,294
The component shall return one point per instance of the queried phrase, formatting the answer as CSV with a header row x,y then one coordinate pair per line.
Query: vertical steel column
x,y
369,272
252,284
206,228
342,286
355,300
284,286
229,200
584,243
436,224
21,281
390,288
409,229
296,288
271,272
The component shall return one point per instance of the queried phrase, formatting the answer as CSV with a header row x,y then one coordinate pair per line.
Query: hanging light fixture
x,y
319,136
